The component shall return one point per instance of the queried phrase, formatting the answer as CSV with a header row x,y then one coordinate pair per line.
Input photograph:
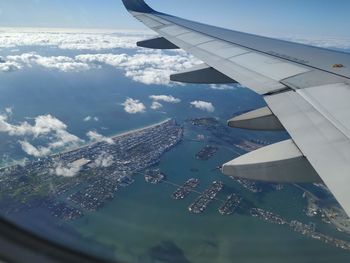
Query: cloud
x,y
64,139
104,160
223,87
165,98
147,68
9,66
114,60
71,39
203,105
43,124
95,136
90,118
69,170
325,42
45,127
133,106
156,105
34,151
99,40
62,63
9,111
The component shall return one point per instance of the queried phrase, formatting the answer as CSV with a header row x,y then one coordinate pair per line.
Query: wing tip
x,y
137,6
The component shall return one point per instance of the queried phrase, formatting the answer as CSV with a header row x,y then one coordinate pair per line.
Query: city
x,y
100,168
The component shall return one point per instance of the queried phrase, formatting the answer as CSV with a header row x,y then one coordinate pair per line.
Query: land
x,y
230,205
154,176
204,122
250,185
308,230
100,168
184,190
202,202
207,152
329,211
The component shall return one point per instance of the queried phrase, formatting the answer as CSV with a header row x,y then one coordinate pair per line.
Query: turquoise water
x,y
143,223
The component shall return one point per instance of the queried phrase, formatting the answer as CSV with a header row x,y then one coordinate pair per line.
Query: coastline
x,y
139,129
117,135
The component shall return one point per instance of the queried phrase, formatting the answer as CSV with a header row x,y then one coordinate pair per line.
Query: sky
x,y
271,17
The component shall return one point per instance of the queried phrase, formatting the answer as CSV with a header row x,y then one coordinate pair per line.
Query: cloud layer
x,y
62,63
325,42
71,39
147,68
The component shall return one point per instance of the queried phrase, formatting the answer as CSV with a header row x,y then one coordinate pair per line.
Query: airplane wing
x,y
306,88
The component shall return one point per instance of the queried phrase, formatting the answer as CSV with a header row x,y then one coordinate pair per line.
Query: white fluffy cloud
x,y
149,68
79,39
165,98
62,63
223,87
203,105
9,66
145,66
133,106
69,170
70,39
34,151
43,124
95,136
104,160
44,127
156,105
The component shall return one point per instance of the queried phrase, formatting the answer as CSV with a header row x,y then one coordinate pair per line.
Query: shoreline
x,y
112,137
117,135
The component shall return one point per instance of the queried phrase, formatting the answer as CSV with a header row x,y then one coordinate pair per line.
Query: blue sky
x,y
272,17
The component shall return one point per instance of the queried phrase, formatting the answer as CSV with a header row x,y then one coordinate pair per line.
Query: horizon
x,y
268,17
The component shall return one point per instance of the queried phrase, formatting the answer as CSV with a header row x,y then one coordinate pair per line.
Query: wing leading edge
x,y
307,90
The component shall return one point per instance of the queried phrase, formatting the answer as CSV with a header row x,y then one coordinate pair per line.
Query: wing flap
x,y
321,142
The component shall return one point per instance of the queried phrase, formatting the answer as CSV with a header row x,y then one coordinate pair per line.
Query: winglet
x,y
137,6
